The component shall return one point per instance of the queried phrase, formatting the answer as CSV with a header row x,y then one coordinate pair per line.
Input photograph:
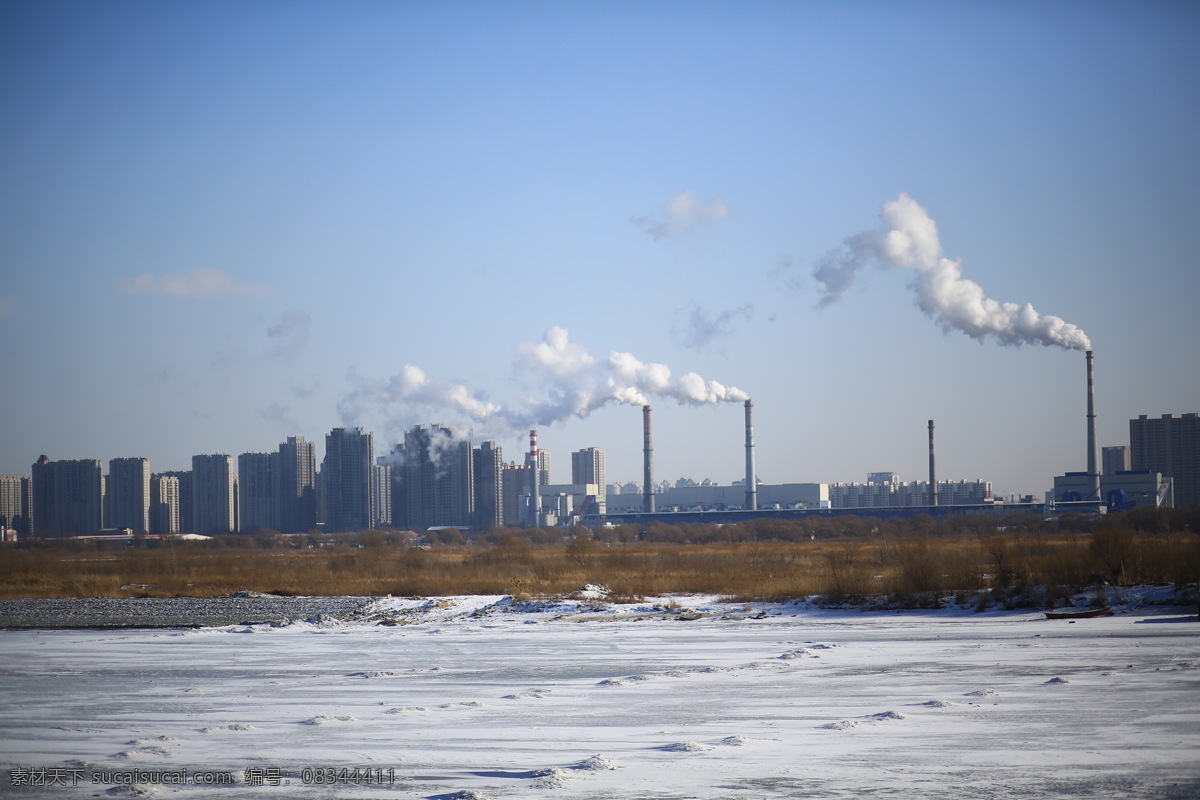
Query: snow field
x,y
484,698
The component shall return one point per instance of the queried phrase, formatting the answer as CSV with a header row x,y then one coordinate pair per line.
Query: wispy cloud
x,y
304,392
702,329
684,212
290,334
280,414
203,282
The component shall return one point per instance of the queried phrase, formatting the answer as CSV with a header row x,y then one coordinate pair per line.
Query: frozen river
x,y
478,698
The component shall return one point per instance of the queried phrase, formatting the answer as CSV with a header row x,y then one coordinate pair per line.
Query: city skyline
x,y
224,225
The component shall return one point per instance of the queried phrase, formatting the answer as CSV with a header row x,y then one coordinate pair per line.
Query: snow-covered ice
x,y
487,697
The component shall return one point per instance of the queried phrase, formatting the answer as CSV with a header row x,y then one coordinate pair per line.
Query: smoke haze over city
x,y
225,224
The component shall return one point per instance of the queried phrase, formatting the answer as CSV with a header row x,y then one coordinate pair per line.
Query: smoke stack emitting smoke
x,y
1093,473
535,477
647,463
751,480
946,297
933,493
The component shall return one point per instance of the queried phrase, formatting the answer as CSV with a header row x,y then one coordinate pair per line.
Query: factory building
x,y
724,498
568,503
1124,490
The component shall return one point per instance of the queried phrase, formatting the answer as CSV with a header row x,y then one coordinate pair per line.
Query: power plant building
x,y
887,491
568,503
723,498
1124,490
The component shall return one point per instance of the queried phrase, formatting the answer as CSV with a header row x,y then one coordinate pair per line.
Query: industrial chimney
x,y
535,505
933,493
648,459
1093,473
751,481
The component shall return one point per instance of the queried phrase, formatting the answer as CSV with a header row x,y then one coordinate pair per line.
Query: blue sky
x,y
225,223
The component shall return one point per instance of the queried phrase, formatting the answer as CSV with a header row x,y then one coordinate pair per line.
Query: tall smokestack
x,y
535,505
933,494
1093,474
648,459
751,481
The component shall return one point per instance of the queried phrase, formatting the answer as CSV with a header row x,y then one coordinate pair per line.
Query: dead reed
x,y
843,560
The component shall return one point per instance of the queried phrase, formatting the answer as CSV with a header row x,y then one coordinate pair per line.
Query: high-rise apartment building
x,y
68,497
587,466
297,483
1114,459
1169,445
16,504
349,456
213,494
514,484
543,459
433,479
258,492
164,504
381,494
489,485
127,494
184,477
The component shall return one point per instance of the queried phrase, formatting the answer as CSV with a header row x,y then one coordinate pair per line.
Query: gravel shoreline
x,y
171,612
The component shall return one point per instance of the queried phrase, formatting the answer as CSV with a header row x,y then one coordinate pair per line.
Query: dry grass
x,y
916,566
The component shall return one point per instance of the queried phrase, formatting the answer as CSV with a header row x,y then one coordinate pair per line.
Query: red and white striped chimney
x,y
535,505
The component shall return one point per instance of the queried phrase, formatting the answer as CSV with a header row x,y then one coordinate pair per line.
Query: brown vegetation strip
x,y
843,559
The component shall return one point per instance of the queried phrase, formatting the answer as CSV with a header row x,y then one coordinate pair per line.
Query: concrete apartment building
x,y
1169,445
127,494
214,494
68,497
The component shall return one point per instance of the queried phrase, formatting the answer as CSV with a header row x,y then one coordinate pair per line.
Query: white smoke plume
x,y
571,382
577,383
411,392
954,302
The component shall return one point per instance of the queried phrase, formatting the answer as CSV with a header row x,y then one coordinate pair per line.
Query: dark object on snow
x,y
1084,614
